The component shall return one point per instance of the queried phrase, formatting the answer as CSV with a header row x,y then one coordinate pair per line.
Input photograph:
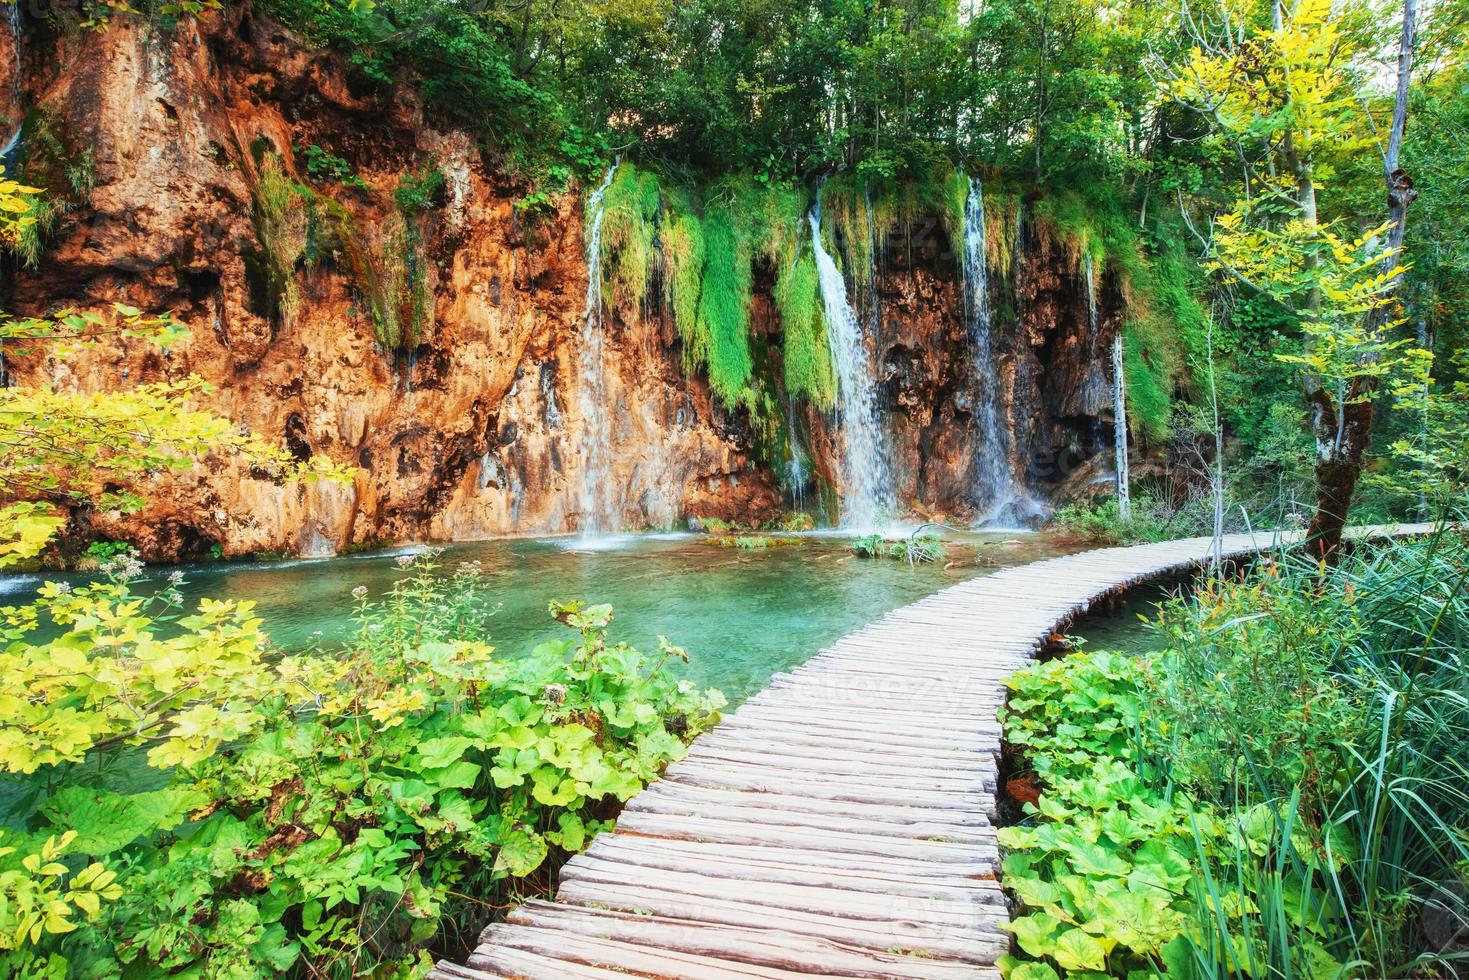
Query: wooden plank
x,y
835,842
778,817
965,946
951,911
734,863
875,865
692,774
764,946
498,961
626,957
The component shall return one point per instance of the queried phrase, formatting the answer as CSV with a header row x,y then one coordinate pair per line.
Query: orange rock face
x,y
474,432
478,428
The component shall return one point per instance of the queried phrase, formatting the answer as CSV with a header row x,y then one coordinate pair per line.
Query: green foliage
x,y
915,549
323,167
63,175
1247,691
722,330
1098,521
318,811
1432,456
806,352
631,208
1149,402
421,191
1104,868
755,542
1297,747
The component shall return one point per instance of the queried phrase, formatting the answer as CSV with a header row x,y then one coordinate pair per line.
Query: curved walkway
x,y
842,822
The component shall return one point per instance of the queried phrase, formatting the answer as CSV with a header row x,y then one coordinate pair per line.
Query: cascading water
x,y
1119,428
867,495
595,504
1119,386
798,473
994,479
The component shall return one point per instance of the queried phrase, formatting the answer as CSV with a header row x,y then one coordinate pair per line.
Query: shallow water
x,y
742,615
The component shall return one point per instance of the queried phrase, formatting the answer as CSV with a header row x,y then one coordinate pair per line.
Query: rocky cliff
x,y
436,344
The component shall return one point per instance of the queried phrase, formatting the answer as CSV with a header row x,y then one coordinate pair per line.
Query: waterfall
x,y
1119,426
1119,385
994,481
595,504
866,496
797,473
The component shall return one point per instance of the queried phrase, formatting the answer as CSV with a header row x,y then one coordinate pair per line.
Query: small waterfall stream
x,y
595,504
1119,416
867,496
994,480
798,471
1119,387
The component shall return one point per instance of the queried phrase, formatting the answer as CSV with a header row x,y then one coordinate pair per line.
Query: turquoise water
x,y
741,615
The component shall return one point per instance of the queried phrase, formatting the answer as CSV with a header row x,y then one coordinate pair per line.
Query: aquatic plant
x,y
914,549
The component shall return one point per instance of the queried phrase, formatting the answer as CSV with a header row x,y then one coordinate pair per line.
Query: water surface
x,y
741,615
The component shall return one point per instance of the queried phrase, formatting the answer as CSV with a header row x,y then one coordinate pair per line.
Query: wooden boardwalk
x,y
840,823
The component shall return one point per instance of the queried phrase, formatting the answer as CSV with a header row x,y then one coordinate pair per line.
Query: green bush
x,y
916,549
322,166
1099,522
225,812
1297,748
1103,868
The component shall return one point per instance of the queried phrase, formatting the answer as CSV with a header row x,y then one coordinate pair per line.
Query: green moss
x,y
1149,402
849,222
808,367
683,270
282,227
629,230
722,337
1001,228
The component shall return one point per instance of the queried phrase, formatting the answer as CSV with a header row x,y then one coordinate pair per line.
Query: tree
x,y
67,448
1281,98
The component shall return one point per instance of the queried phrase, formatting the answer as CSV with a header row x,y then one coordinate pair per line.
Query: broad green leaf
x,y
1075,949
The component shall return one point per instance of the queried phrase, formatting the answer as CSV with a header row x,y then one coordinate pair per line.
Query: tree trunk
x,y
1342,437
1343,423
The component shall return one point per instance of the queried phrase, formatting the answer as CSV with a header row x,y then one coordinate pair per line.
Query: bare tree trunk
x,y
1343,421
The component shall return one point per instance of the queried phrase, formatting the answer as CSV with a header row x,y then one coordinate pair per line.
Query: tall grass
x,y
1349,787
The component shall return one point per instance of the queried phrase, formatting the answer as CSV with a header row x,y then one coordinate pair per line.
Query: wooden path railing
x,y
842,822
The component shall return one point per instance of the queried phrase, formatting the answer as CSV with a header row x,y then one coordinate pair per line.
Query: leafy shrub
x,y
420,191
310,813
1157,516
322,166
1247,693
916,549
1104,870
1306,729
99,553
